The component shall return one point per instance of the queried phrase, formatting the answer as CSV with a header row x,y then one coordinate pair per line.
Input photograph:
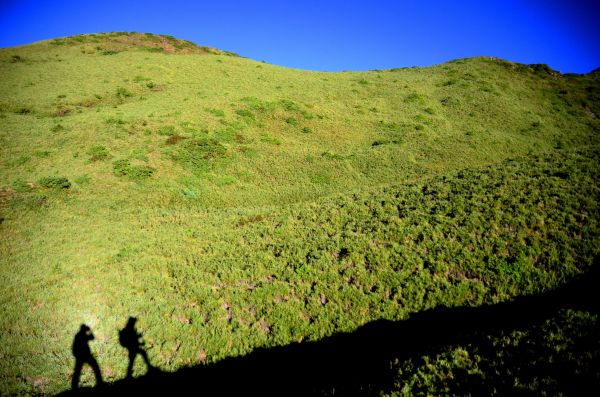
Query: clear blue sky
x,y
336,35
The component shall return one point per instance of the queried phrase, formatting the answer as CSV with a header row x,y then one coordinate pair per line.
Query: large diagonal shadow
x,y
358,363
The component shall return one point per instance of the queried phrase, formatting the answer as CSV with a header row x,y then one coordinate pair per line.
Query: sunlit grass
x,y
231,204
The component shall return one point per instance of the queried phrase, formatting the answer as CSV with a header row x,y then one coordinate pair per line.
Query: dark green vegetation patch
x,y
55,182
197,154
125,168
98,153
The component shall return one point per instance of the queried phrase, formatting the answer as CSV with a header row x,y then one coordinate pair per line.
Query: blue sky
x,y
336,35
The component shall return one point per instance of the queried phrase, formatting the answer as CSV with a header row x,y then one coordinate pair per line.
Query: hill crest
x,y
109,43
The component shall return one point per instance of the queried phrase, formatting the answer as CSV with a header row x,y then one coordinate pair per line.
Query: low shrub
x,y
121,167
125,168
139,172
123,93
290,106
245,113
206,148
541,68
216,112
197,154
167,130
257,104
414,98
41,153
55,182
98,153
115,121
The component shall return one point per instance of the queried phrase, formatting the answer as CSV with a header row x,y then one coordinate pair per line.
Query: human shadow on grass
x,y
83,355
129,338
358,363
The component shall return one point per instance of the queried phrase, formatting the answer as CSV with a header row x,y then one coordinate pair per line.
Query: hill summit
x,y
114,42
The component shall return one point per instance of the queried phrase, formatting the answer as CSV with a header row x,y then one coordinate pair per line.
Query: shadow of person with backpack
x,y
83,354
129,338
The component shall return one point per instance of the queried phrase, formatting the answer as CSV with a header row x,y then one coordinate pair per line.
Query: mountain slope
x,y
232,204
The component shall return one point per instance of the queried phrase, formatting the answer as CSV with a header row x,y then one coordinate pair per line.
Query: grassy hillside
x,y
230,204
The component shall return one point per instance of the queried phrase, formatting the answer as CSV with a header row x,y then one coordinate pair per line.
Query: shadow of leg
x,y
145,357
76,374
132,355
96,368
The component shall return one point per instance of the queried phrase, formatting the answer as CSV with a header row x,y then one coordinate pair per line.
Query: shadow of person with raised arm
x,y
129,338
83,355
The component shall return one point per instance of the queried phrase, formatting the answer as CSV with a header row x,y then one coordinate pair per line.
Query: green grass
x,y
501,362
231,207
